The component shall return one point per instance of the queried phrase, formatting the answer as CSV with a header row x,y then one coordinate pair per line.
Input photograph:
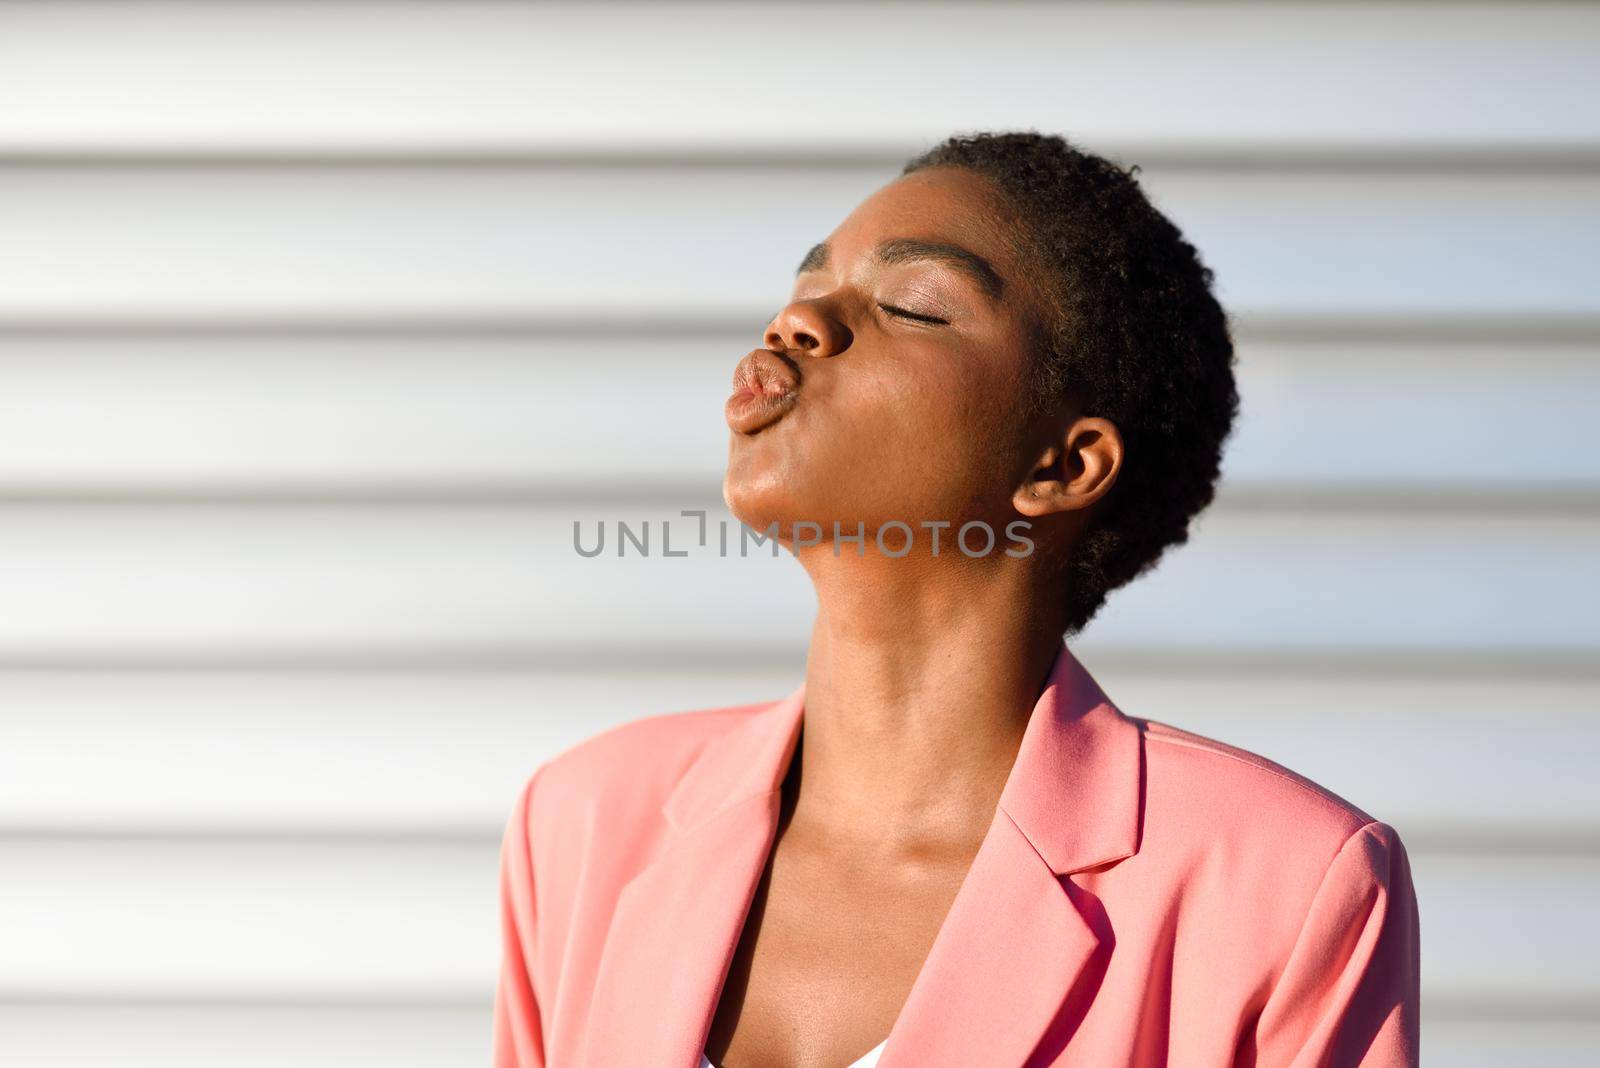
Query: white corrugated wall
x,y
308,313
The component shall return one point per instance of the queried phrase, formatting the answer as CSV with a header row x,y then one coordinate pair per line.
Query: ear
x,y
1074,471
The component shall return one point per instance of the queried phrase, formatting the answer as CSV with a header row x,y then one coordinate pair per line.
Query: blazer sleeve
x,y
518,1029
1349,993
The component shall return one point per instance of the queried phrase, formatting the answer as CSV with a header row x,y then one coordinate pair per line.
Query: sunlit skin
x,y
921,671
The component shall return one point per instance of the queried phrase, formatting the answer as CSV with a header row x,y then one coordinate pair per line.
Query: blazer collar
x,y
1016,959
1073,790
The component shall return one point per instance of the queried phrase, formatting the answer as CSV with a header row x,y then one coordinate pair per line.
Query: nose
x,y
804,326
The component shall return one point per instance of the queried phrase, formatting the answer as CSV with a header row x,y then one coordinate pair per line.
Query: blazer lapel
x,y
1016,959
677,923
1002,967
1021,952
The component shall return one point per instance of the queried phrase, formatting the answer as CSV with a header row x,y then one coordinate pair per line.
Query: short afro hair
x,y
1135,336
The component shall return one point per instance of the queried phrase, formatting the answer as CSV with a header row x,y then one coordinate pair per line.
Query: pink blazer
x,y
1144,896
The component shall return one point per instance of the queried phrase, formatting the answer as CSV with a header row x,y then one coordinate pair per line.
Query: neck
x,y
920,679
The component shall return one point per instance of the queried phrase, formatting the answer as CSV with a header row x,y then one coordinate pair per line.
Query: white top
x,y
868,1059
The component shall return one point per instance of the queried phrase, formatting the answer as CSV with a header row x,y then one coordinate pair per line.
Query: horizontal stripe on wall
x,y
488,76
415,754
662,242
308,918
84,581
1402,422
142,1034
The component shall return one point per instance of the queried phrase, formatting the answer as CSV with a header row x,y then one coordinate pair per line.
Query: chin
x,y
758,501
767,500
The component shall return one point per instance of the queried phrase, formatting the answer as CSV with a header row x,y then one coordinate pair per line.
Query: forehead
x,y
942,203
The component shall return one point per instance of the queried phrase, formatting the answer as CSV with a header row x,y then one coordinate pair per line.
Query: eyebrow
x,y
906,249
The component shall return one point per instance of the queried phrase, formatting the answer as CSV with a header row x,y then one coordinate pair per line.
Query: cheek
x,y
883,446
945,447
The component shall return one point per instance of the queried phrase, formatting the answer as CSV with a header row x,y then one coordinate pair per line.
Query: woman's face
x,y
892,386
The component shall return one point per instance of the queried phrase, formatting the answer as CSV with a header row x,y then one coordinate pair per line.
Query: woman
x,y
1000,390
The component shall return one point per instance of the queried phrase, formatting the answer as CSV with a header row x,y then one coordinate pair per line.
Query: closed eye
x,y
903,314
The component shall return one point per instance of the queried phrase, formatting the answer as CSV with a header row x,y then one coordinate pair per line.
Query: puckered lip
x,y
766,386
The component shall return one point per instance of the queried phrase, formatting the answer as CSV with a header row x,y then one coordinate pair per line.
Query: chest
x,y
828,955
